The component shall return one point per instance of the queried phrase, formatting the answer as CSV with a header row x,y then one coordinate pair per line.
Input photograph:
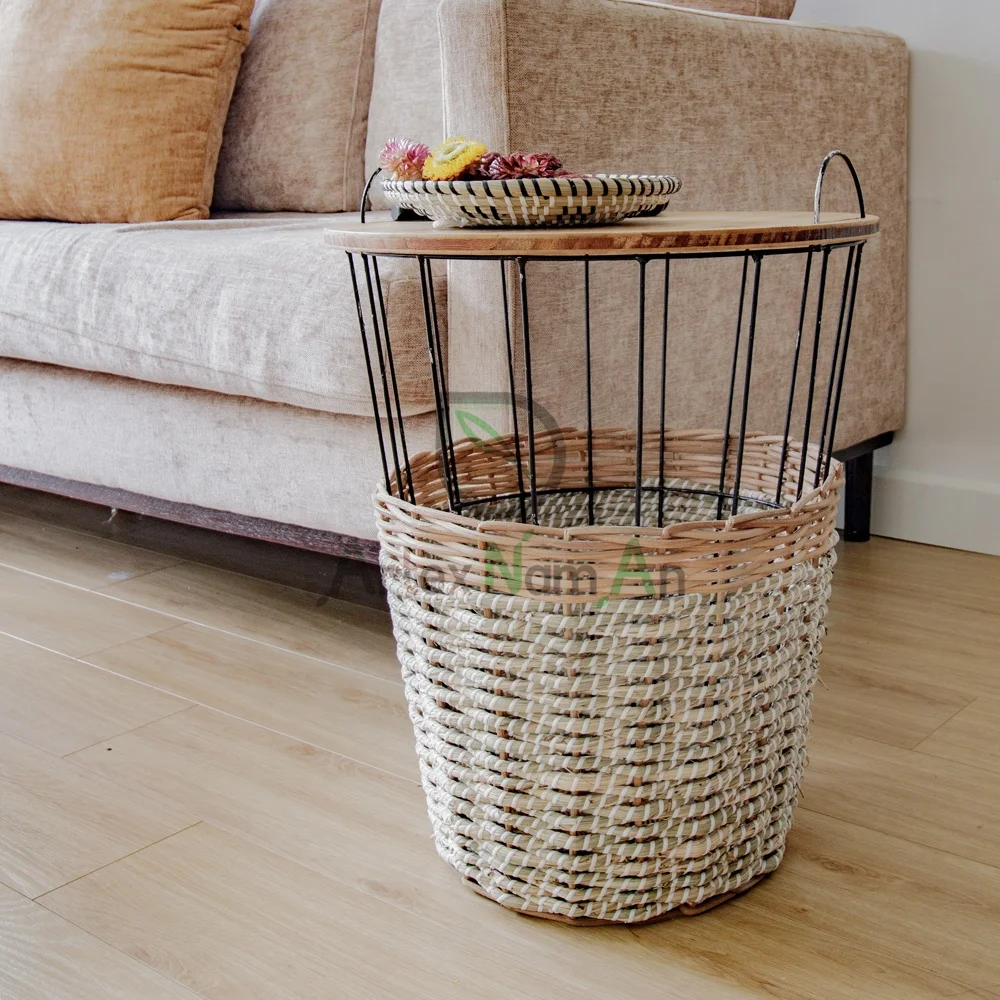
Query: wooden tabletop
x,y
671,232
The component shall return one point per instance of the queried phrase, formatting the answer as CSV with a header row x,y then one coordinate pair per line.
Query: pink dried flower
x,y
518,165
404,159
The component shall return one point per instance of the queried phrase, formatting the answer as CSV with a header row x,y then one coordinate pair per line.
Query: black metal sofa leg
x,y
858,468
858,498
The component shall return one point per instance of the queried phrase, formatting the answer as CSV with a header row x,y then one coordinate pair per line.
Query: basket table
x,y
609,634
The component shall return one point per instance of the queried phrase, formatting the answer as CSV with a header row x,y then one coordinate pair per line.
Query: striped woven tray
x,y
596,199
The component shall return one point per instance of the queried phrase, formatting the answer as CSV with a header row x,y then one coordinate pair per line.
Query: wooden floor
x,y
208,788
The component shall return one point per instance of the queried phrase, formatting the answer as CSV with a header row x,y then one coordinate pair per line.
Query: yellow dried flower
x,y
452,158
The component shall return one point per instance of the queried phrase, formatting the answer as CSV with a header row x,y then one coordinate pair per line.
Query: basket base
x,y
684,910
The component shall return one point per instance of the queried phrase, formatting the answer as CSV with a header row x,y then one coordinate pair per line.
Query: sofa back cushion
x,y
407,93
295,137
781,9
112,110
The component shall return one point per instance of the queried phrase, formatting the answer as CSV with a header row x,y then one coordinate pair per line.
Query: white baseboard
x,y
954,513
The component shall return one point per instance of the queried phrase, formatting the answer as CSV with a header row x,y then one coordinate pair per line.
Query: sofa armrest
x,y
742,109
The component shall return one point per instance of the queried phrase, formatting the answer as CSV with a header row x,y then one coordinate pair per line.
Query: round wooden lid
x,y
671,232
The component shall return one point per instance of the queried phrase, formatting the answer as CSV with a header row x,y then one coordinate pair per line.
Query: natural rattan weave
x,y
611,720
714,556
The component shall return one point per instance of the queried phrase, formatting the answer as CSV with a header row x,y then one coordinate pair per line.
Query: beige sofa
x,y
211,372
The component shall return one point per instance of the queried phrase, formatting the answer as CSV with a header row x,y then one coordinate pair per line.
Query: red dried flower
x,y
480,170
518,165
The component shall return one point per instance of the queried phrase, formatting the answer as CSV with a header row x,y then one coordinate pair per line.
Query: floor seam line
x,y
945,723
248,638
256,725
78,658
64,583
139,576
38,899
134,729
103,592
165,976
912,843
81,533
128,642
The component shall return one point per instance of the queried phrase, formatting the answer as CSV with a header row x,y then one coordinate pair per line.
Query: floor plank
x,y
784,958
365,827
370,831
350,636
913,796
67,619
972,737
61,821
70,556
917,641
346,711
889,899
860,694
923,575
230,919
63,705
263,863
882,679
44,957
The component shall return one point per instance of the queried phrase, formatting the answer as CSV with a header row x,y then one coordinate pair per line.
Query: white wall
x,y
940,480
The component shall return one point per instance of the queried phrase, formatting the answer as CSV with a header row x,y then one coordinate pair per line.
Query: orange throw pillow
x,y
113,110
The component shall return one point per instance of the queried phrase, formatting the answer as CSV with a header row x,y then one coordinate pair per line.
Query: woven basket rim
x,y
640,184
604,532
815,497
708,556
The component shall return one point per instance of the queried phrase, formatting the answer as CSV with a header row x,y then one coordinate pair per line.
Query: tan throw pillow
x,y
113,110
295,138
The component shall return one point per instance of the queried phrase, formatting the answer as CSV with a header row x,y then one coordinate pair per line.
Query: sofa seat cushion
x,y
251,305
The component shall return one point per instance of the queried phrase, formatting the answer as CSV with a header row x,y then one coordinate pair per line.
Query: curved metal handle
x,y
822,173
368,187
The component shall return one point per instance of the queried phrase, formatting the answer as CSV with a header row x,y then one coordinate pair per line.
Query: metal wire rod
x,y
513,386
663,385
590,401
368,366
732,387
529,390
397,488
821,296
834,356
748,371
795,371
639,392
439,408
393,380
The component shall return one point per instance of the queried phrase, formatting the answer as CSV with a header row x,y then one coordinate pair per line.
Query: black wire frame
x,y
821,413
391,421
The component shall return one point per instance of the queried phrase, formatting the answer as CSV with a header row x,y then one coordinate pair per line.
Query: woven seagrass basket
x,y
611,720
